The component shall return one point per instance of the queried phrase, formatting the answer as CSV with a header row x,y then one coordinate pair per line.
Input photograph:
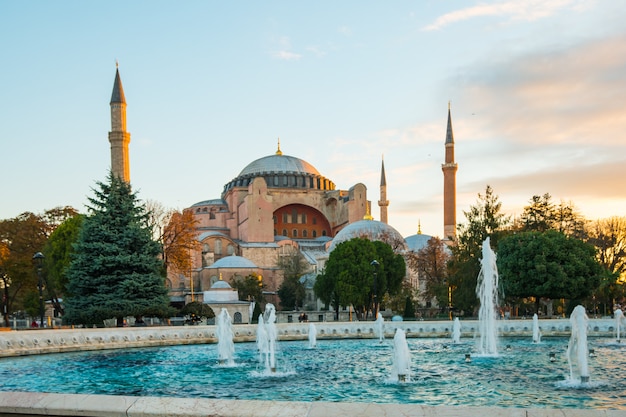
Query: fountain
x,y
401,370
456,330
346,367
266,338
312,336
380,327
536,331
487,292
577,349
619,315
225,344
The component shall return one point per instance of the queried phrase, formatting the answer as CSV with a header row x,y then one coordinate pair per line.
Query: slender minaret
x,y
383,203
449,185
118,136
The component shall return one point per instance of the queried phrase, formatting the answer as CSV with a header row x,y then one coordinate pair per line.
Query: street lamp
x,y
38,261
375,264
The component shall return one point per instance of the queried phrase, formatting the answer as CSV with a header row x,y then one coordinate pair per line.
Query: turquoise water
x,y
346,370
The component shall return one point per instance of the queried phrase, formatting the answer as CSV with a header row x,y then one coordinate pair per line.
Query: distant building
x,y
279,205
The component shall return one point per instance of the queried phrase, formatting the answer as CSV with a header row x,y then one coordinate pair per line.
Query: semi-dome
x,y
281,171
370,229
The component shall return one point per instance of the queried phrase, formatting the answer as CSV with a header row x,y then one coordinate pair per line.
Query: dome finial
x,y
278,151
419,227
367,216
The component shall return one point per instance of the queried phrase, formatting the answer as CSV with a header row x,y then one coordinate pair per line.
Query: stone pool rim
x,y
43,341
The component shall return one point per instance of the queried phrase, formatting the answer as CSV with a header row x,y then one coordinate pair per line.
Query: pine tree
x,y
115,270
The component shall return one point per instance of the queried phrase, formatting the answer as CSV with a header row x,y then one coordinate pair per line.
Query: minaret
x,y
118,136
383,202
449,185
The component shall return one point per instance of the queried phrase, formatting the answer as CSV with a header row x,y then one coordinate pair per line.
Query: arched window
x,y
218,246
323,232
304,233
295,232
237,318
294,216
314,233
230,249
303,218
284,232
206,248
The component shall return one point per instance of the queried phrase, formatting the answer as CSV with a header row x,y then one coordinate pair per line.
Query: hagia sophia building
x,y
278,205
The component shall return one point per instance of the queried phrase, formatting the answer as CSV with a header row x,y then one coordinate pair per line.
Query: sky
x,y
536,90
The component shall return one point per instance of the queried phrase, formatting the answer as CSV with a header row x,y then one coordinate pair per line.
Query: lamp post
x,y
450,301
38,261
375,264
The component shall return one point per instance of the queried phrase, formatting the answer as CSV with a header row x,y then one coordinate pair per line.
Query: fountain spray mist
x,y
487,292
577,349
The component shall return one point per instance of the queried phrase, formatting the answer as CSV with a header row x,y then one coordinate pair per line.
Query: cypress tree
x,y
115,269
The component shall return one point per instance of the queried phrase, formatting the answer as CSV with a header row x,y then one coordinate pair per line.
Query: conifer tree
x,y
115,270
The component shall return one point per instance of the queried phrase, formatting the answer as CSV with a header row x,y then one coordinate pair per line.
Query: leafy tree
x,y
115,270
197,311
409,309
542,215
58,251
483,220
291,291
348,278
249,287
538,215
431,264
176,232
179,240
20,238
548,264
609,238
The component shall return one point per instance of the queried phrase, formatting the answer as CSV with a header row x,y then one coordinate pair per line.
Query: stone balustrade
x,y
34,342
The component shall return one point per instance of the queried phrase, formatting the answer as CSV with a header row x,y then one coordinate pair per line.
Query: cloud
x,y
284,50
526,10
286,55
345,30
567,96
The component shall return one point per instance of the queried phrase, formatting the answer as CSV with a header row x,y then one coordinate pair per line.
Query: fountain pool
x,y
335,371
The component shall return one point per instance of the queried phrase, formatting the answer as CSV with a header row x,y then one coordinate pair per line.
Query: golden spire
x,y
220,276
278,151
367,216
419,227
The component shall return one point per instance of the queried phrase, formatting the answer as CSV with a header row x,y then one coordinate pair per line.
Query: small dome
x,y
417,242
220,285
233,261
370,229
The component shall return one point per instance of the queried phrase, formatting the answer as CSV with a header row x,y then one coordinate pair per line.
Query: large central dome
x,y
278,164
281,171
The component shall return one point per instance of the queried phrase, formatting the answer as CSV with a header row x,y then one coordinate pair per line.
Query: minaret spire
x,y
449,169
118,136
383,203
